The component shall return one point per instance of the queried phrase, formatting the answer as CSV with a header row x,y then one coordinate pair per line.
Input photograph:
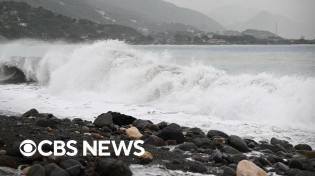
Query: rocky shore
x,y
168,146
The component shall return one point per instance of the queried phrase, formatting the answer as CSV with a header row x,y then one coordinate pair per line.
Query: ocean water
x,y
256,92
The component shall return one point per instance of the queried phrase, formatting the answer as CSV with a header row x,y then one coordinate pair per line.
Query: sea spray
x,y
112,71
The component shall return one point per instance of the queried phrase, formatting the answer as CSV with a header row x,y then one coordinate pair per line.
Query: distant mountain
x,y
231,14
259,34
19,20
286,28
152,15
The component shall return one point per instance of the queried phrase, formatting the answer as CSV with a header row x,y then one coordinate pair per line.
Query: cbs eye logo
x,y
28,148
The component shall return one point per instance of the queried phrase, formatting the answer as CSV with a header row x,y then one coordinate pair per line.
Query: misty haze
x,y
205,87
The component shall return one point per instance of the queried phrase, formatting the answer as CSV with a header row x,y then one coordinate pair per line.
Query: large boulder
x,y
237,143
104,119
247,168
121,119
213,133
172,132
310,154
112,167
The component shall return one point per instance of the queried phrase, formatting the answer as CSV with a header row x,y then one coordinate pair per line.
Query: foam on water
x,y
111,72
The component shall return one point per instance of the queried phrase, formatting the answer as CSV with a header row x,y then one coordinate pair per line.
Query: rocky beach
x,y
169,148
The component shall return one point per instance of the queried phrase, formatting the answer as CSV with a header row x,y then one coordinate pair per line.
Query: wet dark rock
x,y
303,147
162,125
65,164
200,159
15,150
30,113
275,141
150,141
145,161
36,157
251,145
175,161
112,167
295,164
230,150
2,142
274,148
140,124
171,142
36,170
306,162
237,143
227,171
305,173
154,127
121,119
106,129
292,172
213,133
159,142
237,158
216,156
280,168
172,132
198,167
196,131
203,143
266,151
46,123
104,119
53,169
74,170
178,151
188,146
7,162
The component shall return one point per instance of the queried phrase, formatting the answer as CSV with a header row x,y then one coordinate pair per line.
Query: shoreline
x,y
192,150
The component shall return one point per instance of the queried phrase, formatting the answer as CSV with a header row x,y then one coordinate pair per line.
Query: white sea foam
x,y
112,71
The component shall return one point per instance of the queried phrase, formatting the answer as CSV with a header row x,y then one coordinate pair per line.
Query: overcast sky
x,y
294,9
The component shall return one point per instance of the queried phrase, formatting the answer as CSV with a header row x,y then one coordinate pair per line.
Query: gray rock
x,y
280,167
200,159
112,167
213,133
295,164
237,143
140,124
30,113
203,143
305,173
227,171
303,147
65,164
53,169
46,123
198,167
154,127
36,170
196,131
74,170
216,156
274,148
292,172
188,146
162,125
104,119
230,150
172,132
